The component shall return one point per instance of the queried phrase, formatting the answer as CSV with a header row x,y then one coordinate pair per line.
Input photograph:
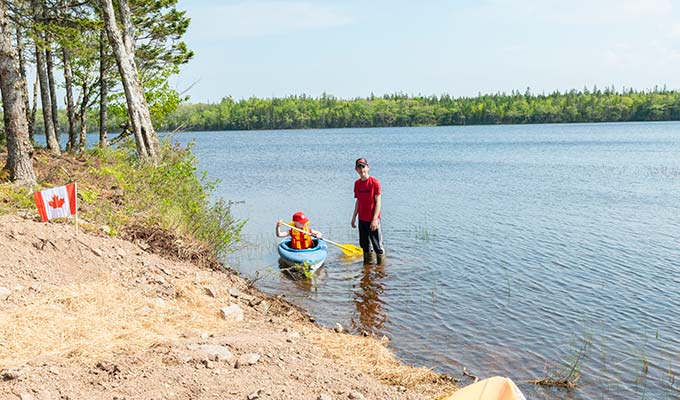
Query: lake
x,y
511,250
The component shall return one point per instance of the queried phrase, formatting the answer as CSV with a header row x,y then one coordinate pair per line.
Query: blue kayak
x,y
314,256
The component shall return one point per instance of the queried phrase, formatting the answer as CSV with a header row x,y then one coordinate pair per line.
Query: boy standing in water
x,y
367,192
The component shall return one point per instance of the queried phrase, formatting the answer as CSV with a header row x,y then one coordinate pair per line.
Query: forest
x,y
327,111
115,59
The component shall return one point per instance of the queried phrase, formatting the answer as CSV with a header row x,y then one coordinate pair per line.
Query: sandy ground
x,y
96,317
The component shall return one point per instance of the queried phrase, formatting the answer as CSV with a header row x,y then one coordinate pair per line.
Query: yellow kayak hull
x,y
496,388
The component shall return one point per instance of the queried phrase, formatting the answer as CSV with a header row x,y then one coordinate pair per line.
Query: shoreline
x,y
95,316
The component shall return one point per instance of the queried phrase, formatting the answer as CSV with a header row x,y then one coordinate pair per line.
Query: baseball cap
x,y
300,217
360,162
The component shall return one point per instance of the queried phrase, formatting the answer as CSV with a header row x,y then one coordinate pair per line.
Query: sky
x,y
352,48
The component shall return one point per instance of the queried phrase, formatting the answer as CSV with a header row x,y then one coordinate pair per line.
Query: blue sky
x,y
348,48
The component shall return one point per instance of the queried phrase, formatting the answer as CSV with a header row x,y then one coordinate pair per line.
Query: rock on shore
x,y
93,317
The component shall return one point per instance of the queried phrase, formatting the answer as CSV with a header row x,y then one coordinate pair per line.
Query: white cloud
x,y
675,31
582,12
647,8
263,18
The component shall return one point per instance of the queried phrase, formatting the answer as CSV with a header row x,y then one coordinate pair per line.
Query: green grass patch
x,y
116,189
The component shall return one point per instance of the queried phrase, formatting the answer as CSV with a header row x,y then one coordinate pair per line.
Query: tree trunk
x,y
34,109
82,116
146,139
50,135
19,148
103,91
70,107
126,22
24,85
53,89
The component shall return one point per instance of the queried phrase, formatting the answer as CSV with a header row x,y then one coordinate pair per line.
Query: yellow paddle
x,y
348,249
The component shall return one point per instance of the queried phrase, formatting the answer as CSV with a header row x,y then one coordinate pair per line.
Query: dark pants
x,y
369,238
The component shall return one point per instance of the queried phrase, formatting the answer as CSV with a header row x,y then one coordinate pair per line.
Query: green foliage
x,y
306,270
15,198
169,194
300,112
568,374
301,271
422,233
88,196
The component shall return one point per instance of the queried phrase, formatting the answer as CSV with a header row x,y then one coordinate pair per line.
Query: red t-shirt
x,y
365,192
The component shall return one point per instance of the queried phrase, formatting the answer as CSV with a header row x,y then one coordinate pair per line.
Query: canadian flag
x,y
56,202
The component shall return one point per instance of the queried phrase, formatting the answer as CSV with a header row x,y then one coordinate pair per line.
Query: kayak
x,y
313,257
496,388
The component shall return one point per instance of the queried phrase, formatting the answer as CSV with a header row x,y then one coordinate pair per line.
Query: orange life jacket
x,y
301,240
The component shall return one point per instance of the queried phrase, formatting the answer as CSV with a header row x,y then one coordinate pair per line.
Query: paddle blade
x,y
351,250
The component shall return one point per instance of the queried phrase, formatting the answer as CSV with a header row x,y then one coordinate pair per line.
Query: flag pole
x,y
76,190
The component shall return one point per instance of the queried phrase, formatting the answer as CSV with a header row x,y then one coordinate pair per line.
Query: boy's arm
x,y
354,215
376,211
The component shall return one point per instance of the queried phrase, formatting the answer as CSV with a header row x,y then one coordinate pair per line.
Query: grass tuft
x,y
117,190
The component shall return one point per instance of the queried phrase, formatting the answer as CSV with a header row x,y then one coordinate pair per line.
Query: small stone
x,y
217,353
354,395
255,301
246,298
234,292
97,252
184,358
9,374
4,293
121,252
263,307
255,395
324,396
159,280
247,359
107,229
210,291
338,328
25,396
232,312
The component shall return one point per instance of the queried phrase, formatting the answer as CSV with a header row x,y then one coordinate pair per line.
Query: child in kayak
x,y
299,240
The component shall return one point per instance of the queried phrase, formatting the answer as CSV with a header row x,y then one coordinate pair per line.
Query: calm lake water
x,y
510,248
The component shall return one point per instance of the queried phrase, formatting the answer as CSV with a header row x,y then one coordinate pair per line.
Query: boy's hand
x,y
354,223
279,222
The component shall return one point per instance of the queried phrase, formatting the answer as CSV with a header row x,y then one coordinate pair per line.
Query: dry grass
x,y
370,356
95,320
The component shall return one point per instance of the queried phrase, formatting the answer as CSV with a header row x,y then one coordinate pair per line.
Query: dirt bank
x,y
95,317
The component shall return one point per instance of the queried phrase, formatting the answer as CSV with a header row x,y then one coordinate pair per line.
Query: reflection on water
x,y
370,315
526,238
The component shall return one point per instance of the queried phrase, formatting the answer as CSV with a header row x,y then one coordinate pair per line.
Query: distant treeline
x,y
299,112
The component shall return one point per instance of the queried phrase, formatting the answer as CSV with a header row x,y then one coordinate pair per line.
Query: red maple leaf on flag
x,y
56,202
